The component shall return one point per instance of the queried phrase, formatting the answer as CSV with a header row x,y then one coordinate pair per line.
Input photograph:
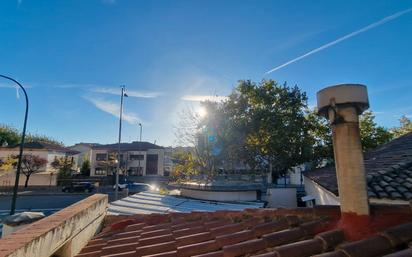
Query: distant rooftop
x,y
388,171
133,146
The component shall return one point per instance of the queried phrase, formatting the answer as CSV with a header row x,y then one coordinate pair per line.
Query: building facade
x,y
136,159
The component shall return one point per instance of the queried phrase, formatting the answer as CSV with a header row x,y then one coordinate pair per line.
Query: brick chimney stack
x,y
342,105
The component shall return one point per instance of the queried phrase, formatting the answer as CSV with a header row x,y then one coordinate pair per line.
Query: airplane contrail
x,y
364,29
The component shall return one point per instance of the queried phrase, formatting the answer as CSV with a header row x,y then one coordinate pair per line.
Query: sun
x,y
202,112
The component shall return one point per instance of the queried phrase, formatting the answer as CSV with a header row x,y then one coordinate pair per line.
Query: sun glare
x,y
202,112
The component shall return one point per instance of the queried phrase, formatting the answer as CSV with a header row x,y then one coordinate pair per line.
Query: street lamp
x,y
123,94
140,145
140,125
23,135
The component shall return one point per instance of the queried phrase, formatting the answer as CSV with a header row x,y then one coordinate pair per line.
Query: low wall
x,y
39,179
284,197
223,196
62,234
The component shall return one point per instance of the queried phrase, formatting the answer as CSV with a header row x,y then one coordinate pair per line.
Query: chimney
x,y
342,105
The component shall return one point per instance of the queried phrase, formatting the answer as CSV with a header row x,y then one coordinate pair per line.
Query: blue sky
x,y
73,55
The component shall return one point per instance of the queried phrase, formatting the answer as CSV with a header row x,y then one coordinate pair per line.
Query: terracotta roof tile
x,y
243,248
300,248
400,234
123,254
266,232
404,253
369,247
90,254
156,248
211,254
283,237
156,239
269,227
331,239
113,249
227,229
195,238
196,249
188,231
153,233
235,238
124,240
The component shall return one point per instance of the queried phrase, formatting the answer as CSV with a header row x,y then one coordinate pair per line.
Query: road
x,y
42,201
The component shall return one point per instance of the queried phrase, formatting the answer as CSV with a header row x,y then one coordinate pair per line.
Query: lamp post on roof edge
x,y
23,135
123,94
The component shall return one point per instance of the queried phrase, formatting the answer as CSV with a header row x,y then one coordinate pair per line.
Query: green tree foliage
x,y
11,136
404,128
64,165
253,126
371,134
186,165
266,126
85,169
8,135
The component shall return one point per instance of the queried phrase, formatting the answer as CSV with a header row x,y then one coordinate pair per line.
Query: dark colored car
x,y
79,187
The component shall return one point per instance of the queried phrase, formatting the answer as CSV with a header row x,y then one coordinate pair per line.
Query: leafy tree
x,y
65,166
30,165
185,165
11,136
404,128
85,169
371,134
8,135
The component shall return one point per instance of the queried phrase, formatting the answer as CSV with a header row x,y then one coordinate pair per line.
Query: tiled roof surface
x,y
388,169
253,232
133,146
147,202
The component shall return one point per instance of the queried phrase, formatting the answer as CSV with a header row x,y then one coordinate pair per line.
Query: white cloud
x,y
132,93
201,98
114,109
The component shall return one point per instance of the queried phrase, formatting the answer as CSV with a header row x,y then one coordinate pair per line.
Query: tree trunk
x,y
26,183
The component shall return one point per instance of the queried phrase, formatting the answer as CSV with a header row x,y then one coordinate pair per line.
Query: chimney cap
x,y
355,95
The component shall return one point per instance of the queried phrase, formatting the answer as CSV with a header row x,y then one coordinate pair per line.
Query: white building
x,y
136,159
47,175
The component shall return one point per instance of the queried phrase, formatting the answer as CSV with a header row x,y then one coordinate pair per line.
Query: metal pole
x,y
23,135
140,142
140,124
116,191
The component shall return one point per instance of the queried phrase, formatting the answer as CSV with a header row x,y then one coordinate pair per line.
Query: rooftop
x,y
388,171
133,146
145,202
254,232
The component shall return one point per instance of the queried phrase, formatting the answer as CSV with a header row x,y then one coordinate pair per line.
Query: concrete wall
x,y
281,197
37,179
62,234
321,195
224,196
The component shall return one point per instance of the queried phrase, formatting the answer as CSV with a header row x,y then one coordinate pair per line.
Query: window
x,y
101,157
99,171
136,157
135,171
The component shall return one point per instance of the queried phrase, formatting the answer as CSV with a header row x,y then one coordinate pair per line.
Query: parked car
x,y
79,187
134,187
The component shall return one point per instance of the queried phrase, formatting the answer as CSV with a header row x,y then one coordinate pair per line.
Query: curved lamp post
x,y
23,135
